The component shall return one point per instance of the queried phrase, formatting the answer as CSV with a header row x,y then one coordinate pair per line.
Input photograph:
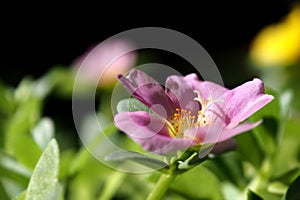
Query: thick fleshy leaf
x,y
244,100
14,176
120,156
230,191
246,142
131,105
43,132
228,168
190,182
21,196
43,182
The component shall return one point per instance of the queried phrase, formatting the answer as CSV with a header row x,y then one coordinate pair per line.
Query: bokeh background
x,y
35,39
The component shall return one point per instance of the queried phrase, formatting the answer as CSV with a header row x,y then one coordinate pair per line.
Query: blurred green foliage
x,y
38,162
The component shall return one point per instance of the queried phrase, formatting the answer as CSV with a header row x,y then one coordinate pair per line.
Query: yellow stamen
x,y
183,119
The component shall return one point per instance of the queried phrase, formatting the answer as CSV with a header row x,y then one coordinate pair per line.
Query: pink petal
x,y
229,133
161,144
181,93
207,89
205,134
211,90
216,133
140,124
243,101
148,91
138,78
224,146
149,132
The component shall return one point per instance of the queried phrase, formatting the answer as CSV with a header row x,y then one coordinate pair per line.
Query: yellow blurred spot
x,y
278,44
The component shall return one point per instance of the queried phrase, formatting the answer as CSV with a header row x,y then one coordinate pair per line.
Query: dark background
x,y
33,40
38,37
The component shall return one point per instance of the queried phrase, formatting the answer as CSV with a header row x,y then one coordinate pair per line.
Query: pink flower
x,y
106,61
188,112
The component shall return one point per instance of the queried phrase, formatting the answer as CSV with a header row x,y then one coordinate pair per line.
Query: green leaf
x,y
63,78
12,187
230,191
228,167
42,87
85,153
267,132
3,193
249,149
43,132
33,89
11,169
252,196
285,102
119,156
288,177
293,192
43,182
285,105
7,103
66,160
131,105
277,188
287,155
21,196
197,183
18,141
24,90
112,185
26,150
88,177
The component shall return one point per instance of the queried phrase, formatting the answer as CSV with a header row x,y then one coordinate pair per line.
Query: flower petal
x,y
149,132
229,133
217,133
224,146
243,101
205,134
138,78
148,91
161,144
140,124
207,89
181,93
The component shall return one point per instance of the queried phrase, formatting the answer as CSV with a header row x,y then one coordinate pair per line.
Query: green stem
x,y
112,185
259,182
161,186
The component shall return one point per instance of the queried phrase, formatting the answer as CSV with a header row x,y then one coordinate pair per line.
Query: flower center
x,y
183,119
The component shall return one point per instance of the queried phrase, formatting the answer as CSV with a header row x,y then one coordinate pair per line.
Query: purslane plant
x,y
187,114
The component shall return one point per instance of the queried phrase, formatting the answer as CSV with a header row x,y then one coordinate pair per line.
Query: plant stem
x,y
161,187
112,185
